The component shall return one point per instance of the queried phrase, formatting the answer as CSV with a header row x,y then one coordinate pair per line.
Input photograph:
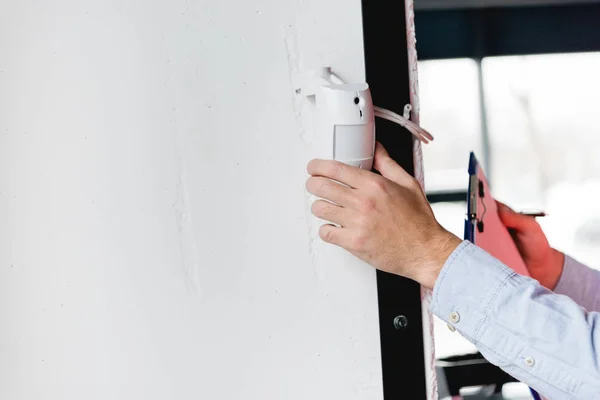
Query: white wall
x,y
154,228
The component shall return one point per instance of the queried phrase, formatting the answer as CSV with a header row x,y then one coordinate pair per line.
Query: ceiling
x,y
449,4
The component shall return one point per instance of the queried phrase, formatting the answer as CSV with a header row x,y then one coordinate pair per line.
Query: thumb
x,y
512,219
388,167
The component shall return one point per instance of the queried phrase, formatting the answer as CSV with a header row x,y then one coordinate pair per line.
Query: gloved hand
x,y
544,263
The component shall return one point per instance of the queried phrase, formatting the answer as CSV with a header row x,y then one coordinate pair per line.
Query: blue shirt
x,y
548,340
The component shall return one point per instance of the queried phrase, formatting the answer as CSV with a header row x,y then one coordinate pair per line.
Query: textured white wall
x,y
154,228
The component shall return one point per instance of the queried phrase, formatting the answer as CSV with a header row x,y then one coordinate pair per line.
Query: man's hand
x,y
385,220
544,263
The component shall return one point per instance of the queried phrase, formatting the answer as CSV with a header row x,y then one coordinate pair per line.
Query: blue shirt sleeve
x,y
580,283
541,338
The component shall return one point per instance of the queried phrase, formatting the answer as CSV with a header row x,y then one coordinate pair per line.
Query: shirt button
x,y
454,317
452,328
530,362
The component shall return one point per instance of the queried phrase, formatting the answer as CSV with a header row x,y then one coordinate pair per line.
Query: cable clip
x,y
407,110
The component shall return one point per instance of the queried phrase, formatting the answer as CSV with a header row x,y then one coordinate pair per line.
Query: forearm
x,y
544,339
580,283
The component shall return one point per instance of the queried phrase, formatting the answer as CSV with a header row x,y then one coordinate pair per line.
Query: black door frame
x,y
399,299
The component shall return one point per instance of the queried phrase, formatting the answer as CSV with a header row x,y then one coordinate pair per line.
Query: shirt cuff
x,y
580,283
571,278
466,288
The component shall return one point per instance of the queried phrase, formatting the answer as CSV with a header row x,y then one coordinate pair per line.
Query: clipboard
x,y
483,226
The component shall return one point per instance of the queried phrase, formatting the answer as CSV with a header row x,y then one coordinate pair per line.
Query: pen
x,y
534,214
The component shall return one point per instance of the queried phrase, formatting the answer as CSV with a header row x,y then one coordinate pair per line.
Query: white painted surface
x,y
154,229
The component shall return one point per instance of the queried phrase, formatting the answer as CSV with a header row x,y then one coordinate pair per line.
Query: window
x,y
450,110
545,143
542,138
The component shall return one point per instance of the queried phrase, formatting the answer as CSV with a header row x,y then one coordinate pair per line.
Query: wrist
x,y
439,250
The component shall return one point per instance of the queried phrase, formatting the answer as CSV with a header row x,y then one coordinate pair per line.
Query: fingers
x,y
333,235
329,190
507,215
346,174
330,234
514,220
389,168
331,212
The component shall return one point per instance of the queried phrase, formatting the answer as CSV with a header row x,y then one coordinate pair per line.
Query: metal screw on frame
x,y
400,322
